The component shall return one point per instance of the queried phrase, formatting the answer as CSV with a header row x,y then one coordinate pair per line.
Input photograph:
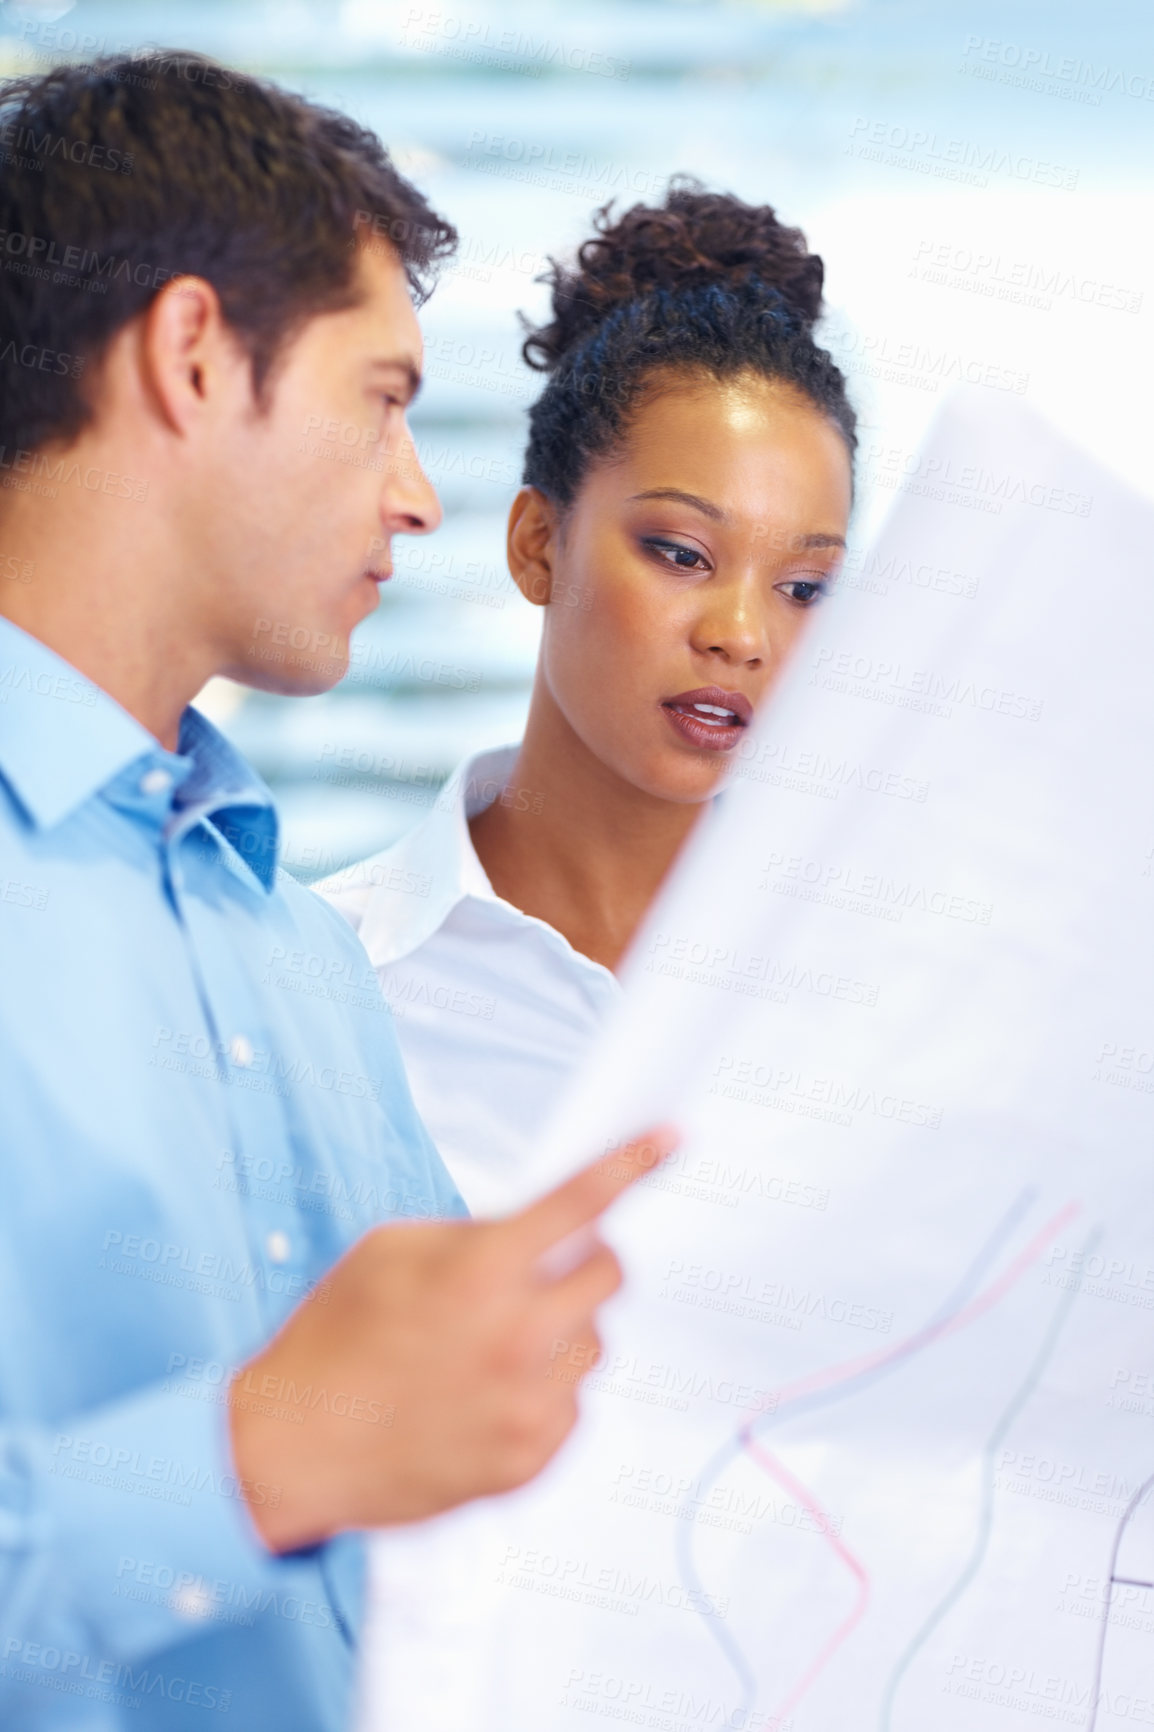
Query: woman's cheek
x,y
570,650
591,624
595,647
639,616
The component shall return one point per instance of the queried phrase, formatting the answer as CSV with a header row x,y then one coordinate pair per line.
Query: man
x,y
215,1365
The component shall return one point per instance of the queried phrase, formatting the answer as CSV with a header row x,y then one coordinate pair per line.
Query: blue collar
x,y
223,787
63,739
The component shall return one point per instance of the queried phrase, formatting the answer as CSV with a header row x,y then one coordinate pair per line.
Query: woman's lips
x,y
709,718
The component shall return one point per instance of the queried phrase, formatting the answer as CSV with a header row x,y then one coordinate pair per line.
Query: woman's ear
x,y
530,545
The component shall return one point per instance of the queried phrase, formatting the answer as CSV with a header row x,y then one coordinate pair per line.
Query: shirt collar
x,y
223,787
63,739
416,883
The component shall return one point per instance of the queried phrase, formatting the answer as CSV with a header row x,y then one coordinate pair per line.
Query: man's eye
x,y
803,590
674,553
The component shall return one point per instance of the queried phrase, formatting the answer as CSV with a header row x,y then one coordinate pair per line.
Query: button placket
x,y
278,1240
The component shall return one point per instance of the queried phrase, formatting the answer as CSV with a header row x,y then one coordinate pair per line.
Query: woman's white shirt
x,y
493,1008
493,1011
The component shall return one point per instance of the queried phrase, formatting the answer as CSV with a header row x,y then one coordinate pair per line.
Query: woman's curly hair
x,y
702,283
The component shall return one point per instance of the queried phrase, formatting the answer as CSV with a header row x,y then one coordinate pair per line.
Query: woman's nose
x,y
733,627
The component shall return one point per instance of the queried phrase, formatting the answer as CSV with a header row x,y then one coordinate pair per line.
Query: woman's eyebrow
x,y
708,509
705,506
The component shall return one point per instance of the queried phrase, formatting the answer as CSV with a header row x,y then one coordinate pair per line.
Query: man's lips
x,y
709,717
380,576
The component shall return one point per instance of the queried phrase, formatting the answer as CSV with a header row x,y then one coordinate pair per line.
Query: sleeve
x,y
433,1179
428,1185
123,1531
421,1180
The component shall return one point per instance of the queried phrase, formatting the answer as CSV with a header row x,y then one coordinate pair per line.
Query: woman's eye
x,y
673,553
804,590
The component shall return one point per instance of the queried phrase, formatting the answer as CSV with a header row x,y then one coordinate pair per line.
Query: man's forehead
x,y
376,334
384,287
392,334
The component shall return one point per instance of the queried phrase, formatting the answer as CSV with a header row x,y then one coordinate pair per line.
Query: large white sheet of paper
x,y
870,1448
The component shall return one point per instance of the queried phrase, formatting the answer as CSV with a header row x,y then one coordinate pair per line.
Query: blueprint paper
x,y
870,1448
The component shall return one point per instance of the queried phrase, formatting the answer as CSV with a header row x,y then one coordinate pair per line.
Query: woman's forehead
x,y
741,446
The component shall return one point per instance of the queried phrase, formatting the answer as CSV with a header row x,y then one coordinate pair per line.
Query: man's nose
x,y
409,503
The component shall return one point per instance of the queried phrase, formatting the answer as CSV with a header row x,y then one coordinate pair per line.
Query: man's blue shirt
x,y
201,1108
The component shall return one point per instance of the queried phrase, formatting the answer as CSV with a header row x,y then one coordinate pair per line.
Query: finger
x,y
579,1294
562,1417
573,1355
589,1193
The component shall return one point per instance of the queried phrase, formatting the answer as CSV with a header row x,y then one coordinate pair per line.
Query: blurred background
x,y
978,177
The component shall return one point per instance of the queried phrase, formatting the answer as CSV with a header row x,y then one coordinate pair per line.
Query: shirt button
x,y
240,1050
278,1247
156,781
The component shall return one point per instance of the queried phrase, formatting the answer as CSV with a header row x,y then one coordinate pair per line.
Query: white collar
x,y
413,886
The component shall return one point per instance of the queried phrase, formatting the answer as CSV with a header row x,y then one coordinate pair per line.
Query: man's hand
x,y
421,1374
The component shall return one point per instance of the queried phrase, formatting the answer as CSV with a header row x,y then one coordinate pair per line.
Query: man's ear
x,y
530,545
186,348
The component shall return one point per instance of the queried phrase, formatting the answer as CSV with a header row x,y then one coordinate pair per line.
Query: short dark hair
x,y
123,173
702,284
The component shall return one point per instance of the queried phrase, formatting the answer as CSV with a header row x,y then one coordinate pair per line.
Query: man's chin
x,y
290,673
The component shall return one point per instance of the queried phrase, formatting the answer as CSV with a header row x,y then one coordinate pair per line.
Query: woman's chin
x,y
681,779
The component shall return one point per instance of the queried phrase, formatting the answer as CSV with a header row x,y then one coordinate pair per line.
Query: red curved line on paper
x,y
996,1291
776,1469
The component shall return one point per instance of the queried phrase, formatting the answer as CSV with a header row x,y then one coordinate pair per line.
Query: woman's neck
x,y
574,844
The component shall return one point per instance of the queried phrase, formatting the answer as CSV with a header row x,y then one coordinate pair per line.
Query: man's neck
x,y
100,595
580,847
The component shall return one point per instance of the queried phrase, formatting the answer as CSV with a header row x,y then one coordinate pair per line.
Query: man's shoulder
x,y
329,908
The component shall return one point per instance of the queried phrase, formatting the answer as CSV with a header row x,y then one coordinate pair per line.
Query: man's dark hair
x,y
124,173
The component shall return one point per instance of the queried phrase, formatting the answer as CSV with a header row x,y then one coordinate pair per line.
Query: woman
x,y
687,490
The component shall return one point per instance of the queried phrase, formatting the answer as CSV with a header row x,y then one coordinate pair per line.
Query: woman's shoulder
x,y
395,899
350,890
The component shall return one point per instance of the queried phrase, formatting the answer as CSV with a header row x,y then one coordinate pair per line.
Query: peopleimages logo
x,y
35,472
103,1680
476,40
1024,282
926,151
968,484
78,150
919,688
40,360
1034,68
